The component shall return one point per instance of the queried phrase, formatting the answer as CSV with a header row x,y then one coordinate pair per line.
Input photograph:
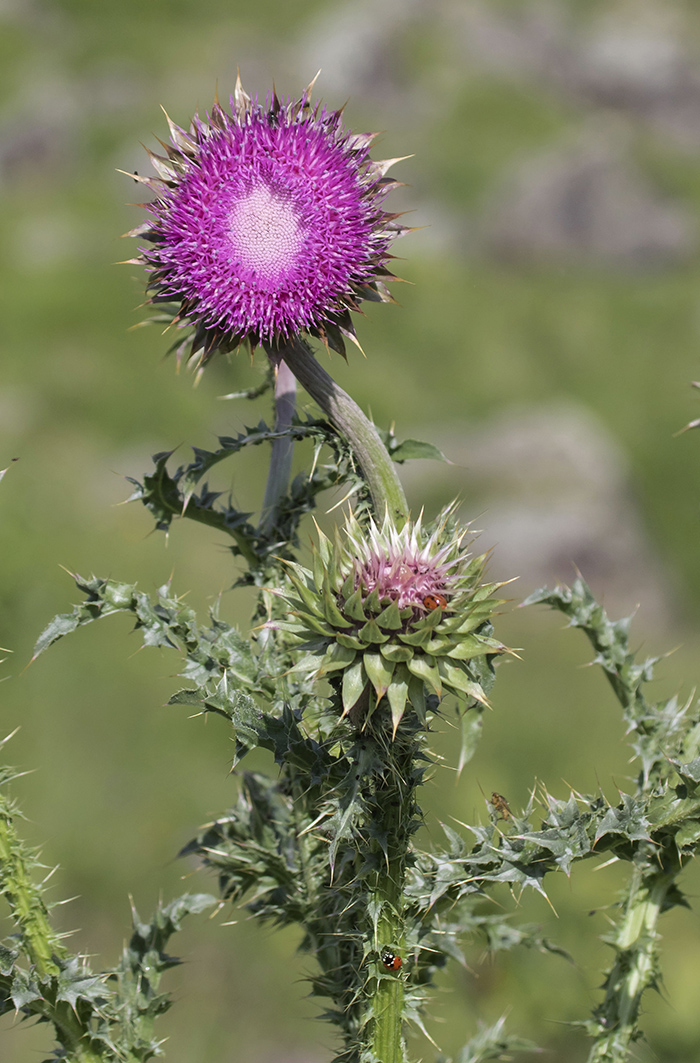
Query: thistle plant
x,y
267,229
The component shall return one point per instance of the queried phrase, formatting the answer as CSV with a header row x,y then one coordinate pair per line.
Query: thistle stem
x,y
282,448
394,821
39,940
634,969
347,417
388,1001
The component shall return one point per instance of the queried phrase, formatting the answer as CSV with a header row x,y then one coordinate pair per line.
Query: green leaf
x,y
354,606
689,772
379,672
628,820
336,657
473,646
456,678
330,608
393,652
390,618
350,642
471,724
688,834
414,448
24,989
8,958
76,982
418,637
397,695
416,694
424,668
491,1043
371,632
354,682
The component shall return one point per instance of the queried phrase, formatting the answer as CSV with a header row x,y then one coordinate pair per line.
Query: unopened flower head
x,y
267,223
396,612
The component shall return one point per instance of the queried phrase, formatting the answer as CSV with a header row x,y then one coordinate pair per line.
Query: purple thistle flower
x,y
267,223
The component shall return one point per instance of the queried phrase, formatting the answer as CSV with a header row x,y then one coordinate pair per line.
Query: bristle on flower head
x,y
267,223
403,565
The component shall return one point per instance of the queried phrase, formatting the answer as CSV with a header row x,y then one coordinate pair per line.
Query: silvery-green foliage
x,y
308,846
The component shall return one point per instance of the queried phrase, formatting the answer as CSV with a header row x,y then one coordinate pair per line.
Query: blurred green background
x,y
547,344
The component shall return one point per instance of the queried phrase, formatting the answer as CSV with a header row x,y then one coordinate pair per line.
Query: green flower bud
x,y
394,613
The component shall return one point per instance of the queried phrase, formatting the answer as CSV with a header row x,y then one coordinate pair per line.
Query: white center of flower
x,y
265,232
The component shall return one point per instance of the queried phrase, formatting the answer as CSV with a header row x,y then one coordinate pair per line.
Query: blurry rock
x,y
354,43
587,201
640,63
531,39
40,127
32,148
550,490
634,59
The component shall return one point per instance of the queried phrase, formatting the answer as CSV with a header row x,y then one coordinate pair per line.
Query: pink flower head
x,y
267,223
405,566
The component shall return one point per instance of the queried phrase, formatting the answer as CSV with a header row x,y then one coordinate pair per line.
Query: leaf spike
x,y
309,88
382,166
7,738
353,490
240,96
150,182
353,338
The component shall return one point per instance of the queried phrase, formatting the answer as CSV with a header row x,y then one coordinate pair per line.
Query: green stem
x,y
395,813
635,967
347,417
40,942
282,448
387,1006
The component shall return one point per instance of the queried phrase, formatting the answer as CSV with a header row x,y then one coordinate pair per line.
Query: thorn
x,y
309,88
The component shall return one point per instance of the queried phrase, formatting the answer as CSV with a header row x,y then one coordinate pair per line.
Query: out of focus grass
x,y
121,782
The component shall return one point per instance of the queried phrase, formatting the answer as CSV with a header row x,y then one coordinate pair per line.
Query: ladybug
x,y
435,601
390,960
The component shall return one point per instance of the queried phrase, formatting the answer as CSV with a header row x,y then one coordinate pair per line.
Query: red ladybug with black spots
x,y
435,601
390,959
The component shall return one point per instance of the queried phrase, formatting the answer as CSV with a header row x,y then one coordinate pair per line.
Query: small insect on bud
x,y
501,805
435,601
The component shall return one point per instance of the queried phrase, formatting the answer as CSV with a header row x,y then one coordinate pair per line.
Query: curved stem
x,y
282,448
347,417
